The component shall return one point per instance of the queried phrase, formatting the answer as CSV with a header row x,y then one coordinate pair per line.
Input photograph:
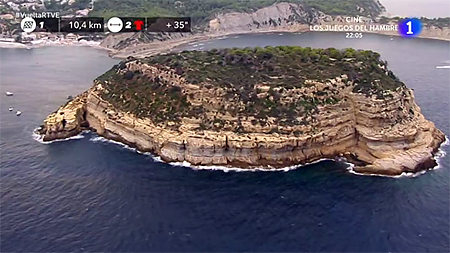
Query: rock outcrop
x,y
69,120
299,120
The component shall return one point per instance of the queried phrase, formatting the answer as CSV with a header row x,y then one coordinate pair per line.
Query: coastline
x,y
164,47
4,44
41,44
438,155
169,45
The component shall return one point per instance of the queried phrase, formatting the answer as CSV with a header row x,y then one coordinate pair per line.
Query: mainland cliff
x,y
289,16
257,107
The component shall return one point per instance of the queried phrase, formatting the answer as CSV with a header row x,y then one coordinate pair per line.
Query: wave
x,y
204,167
443,67
350,167
351,170
125,146
40,138
236,169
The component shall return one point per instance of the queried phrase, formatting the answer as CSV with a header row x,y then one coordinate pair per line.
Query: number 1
x,y
41,24
409,24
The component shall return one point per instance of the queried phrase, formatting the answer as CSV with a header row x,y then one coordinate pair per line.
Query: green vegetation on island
x,y
251,82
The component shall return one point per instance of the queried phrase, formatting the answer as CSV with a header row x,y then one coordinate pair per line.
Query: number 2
x,y
409,24
128,25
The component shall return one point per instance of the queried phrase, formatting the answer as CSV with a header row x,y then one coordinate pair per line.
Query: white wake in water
x,y
123,145
195,167
235,169
438,156
445,65
40,138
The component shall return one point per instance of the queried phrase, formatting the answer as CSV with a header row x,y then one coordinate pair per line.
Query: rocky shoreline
x,y
385,136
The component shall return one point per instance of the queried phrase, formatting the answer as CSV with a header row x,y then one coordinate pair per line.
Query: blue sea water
x,y
85,194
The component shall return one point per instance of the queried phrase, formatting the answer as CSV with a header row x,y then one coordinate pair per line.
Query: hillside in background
x,y
202,10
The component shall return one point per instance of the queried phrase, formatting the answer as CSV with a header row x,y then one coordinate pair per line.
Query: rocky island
x,y
257,107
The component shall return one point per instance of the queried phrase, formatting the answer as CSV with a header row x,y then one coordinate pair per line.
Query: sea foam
x,y
438,156
350,167
40,138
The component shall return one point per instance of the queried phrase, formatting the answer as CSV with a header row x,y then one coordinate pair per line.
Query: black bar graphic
x,y
169,24
82,25
47,25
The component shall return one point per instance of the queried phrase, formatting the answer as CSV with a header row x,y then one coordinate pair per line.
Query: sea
x,y
88,194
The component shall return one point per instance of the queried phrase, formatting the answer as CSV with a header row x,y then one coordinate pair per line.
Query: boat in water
x,y
18,113
10,109
9,93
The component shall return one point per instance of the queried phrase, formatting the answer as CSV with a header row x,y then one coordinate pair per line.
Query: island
x,y
266,107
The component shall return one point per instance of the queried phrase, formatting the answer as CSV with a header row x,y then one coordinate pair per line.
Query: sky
x,y
417,8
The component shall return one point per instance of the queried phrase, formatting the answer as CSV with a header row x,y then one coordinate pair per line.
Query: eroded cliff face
x,y
387,135
69,120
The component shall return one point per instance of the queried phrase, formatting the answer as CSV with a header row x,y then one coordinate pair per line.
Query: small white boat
x,y
9,93
10,109
392,38
443,67
18,113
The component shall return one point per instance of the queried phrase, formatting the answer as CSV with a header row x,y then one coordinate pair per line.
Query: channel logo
x,y
410,27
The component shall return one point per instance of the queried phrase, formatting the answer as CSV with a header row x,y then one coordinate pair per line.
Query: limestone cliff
x,y
69,120
269,107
